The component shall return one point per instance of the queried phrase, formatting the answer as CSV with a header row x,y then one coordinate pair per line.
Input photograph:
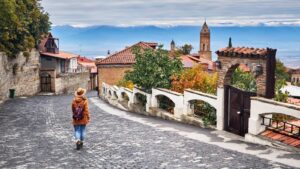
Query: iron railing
x,y
283,127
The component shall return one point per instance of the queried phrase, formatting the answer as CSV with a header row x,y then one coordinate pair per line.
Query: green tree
x,y
185,49
281,71
153,68
243,80
246,81
281,76
230,43
22,23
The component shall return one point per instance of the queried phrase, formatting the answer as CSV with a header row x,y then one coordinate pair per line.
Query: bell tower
x,y
204,51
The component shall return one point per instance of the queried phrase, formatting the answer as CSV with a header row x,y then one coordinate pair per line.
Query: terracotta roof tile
x,y
282,138
88,63
61,55
243,51
296,71
125,56
189,61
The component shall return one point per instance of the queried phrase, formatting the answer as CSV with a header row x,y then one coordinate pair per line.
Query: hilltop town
x,y
149,105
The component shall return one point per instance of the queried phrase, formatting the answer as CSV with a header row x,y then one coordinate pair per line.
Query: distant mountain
x,y
97,40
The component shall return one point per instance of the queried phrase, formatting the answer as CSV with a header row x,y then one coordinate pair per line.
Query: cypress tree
x,y
230,43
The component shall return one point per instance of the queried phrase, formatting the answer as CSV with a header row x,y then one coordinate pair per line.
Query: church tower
x,y
204,51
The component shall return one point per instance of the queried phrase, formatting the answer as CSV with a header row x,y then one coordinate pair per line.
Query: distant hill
x,y
96,40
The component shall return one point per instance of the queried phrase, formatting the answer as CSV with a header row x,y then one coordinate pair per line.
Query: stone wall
x,y
20,73
111,74
68,83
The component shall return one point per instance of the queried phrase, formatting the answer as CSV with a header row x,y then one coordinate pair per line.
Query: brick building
x,y
112,69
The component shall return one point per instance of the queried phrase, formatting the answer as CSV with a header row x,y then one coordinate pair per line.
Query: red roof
x,y
244,51
296,71
189,61
88,63
125,56
61,55
294,101
281,137
84,59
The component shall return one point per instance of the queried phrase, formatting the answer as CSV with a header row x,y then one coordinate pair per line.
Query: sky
x,y
83,13
129,21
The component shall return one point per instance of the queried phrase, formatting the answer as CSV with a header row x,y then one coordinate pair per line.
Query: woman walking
x,y
81,116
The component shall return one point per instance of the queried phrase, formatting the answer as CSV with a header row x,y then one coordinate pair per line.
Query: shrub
x,y
125,83
243,80
195,78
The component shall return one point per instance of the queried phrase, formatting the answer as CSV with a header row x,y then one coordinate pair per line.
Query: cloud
x,y
172,12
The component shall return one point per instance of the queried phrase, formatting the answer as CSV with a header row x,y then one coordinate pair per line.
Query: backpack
x,y
78,111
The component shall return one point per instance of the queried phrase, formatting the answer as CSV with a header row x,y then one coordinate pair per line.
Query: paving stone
x,y
37,133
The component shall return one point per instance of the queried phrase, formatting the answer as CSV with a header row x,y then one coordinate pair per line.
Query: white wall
x,y
261,106
177,99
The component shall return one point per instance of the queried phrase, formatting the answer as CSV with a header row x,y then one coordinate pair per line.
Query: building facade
x,y
59,70
295,77
113,68
54,59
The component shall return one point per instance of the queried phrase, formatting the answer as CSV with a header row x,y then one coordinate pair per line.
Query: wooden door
x,y
237,110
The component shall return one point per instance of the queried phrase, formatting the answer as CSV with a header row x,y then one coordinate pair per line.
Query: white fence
x,y
181,101
260,106
182,104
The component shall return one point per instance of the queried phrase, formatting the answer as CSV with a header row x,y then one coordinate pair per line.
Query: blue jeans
x,y
79,132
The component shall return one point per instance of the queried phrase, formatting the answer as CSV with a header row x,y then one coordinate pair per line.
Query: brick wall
x,y
19,73
111,74
229,64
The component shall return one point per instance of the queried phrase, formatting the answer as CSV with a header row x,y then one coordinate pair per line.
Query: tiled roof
x,y
189,61
61,55
84,59
296,71
88,63
243,51
209,63
293,101
281,137
125,56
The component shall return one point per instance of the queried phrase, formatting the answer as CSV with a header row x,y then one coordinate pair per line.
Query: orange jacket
x,y
86,115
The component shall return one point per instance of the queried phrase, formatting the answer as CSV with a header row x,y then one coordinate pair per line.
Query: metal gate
x,y
45,83
237,110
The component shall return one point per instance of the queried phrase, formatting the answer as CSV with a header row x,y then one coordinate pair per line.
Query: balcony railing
x,y
283,127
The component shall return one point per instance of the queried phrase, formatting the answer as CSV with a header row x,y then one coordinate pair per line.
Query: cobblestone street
x,y
37,133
